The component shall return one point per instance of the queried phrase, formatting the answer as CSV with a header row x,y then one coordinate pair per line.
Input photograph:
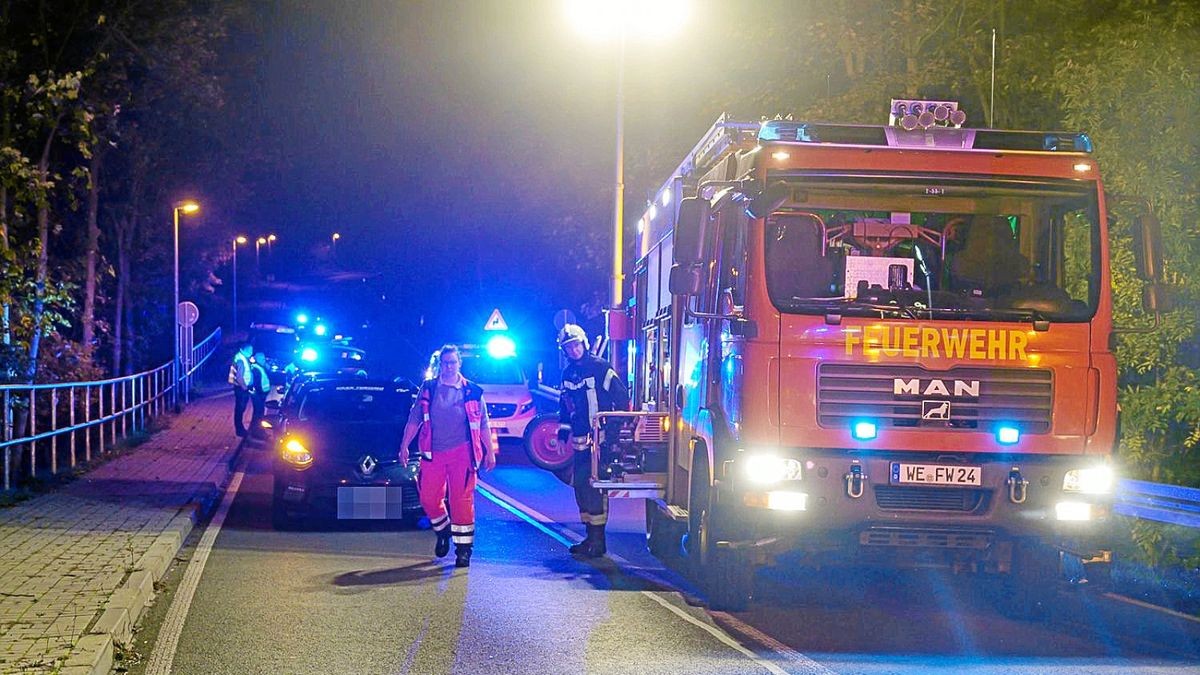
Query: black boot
x,y
598,546
462,555
443,542
592,546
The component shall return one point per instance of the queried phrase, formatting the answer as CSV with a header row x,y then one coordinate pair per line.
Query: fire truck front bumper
x,y
969,505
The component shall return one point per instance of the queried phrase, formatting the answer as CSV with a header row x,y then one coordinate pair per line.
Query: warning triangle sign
x,y
495,321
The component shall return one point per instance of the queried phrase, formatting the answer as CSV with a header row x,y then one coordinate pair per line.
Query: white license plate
x,y
370,502
904,473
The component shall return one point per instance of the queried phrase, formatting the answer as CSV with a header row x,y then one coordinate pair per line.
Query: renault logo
x,y
367,464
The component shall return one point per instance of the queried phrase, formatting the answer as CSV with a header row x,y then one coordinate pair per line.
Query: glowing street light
x,y
333,242
240,239
188,207
258,244
620,19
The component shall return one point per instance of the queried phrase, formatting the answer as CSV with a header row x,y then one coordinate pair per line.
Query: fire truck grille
x,y
960,500
501,410
958,399
925,538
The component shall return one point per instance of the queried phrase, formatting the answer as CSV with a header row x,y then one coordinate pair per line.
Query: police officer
x,y
239,377
260,384
589,386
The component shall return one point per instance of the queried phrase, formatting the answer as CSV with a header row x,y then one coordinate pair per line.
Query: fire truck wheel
x,y
542,446
1026,592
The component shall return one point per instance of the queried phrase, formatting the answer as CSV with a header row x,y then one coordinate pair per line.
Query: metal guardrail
x,y
96,413
1158,502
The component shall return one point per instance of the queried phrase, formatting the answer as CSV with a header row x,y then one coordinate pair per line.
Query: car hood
x,y
506,393
349,441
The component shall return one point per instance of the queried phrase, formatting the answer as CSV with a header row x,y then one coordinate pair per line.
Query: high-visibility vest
x,y
238,376
472,403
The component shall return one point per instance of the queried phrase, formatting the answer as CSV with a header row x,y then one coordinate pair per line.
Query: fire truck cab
x,y
875,345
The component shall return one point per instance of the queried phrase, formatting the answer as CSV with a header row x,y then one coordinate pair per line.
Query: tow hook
x,y
855,481
1017,486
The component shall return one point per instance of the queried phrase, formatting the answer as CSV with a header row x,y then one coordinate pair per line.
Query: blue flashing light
x,y
320,329
864,430
308,354
501,347
1007,434
301,318
781,130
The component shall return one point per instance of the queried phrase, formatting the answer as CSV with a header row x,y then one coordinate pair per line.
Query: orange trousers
x,y
449,470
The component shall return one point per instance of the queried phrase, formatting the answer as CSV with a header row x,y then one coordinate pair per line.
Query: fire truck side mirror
x,y
770,199
1147,247
685,280
690,228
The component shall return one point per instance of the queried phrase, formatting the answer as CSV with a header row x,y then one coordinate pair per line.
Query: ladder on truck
x,y
648,428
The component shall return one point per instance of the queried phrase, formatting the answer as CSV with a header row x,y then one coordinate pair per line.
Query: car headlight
x,y
526,407
771,469
1094,481
294,453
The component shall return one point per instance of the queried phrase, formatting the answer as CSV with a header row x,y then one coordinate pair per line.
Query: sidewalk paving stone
x,y
91,549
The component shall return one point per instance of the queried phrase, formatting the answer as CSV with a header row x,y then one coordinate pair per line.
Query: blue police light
x,y
320,329
1007,434
308,354
864,430
501,347
301,318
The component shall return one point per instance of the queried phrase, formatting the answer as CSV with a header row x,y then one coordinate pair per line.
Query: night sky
x,y
452,144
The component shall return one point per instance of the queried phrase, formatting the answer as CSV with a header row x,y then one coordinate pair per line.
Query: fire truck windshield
x,y
919,247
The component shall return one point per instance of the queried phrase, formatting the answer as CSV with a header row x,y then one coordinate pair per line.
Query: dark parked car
x,y
335,443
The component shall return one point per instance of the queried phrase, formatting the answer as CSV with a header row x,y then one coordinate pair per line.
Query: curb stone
x,y
95,652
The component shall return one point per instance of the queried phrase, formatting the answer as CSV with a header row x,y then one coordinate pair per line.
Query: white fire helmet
x,y
572,333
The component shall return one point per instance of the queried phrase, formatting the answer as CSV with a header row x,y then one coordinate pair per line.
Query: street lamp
x,y
334,241
189,207
604,19
258,244
240,239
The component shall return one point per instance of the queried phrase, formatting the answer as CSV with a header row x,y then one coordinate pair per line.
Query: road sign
x,y
495,321
563,317
186,313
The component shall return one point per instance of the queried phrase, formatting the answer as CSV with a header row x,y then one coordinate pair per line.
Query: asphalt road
x,y
366,598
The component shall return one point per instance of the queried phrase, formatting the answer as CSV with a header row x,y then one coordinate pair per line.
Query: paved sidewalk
x,y
78,565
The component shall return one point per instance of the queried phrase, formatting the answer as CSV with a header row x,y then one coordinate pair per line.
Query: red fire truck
x,y
874,345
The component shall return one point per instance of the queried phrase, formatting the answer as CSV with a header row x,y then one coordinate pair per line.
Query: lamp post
x,y
240,239
186,207
258,244
619,19
333,243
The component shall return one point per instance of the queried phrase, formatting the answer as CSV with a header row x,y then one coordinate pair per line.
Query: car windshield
x,y
909,247
276,346
487,370
354,403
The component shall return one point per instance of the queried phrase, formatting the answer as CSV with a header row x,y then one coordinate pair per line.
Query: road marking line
x,y
1146,605
163,656
567,537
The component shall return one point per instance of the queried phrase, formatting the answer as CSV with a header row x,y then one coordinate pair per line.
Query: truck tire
x,y
542,446
1028,590
726,575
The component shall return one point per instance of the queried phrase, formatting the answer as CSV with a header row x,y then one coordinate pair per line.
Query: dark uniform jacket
x,y
589,386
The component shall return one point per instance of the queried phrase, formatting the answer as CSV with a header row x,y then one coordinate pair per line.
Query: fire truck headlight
x,y
1076,511
1097,480
771,469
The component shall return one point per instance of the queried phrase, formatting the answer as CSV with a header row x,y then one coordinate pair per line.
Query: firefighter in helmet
x,y
589,386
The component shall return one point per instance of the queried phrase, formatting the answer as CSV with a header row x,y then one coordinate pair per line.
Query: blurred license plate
x,y
369,502
935,474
